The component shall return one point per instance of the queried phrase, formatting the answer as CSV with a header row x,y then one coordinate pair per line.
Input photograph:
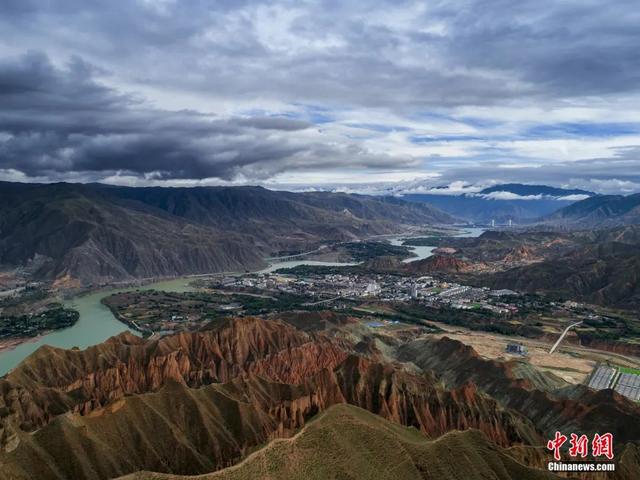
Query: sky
x,y
360,95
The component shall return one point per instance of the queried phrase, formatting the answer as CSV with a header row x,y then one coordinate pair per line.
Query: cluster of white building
x,y
379,286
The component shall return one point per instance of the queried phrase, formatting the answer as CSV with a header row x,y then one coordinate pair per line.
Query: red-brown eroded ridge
x,y
200,401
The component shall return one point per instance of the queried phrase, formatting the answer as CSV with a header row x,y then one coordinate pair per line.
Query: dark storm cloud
x,y
60,120
411,60
400,54
559,49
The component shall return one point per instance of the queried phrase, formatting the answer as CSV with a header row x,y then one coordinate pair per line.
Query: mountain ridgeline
x,y
599,212
331,447
594,266
501,203
90,234
198,402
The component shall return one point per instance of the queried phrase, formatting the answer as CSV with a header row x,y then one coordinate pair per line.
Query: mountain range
x,y
604,270
522,190
594,266
204,401
601,211
88,234
501,203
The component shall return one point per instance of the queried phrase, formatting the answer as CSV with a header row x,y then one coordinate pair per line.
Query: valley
x,y
503,203
49,231
382,331
371,274
485,319
97,323
319,240
255,380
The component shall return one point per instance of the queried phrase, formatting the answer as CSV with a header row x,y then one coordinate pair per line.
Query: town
x,y
326,288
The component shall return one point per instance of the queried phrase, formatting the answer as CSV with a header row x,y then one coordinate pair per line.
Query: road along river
x,y
97,323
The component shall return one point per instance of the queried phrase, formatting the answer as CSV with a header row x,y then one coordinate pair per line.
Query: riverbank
x,y
97,323
129,323
9,344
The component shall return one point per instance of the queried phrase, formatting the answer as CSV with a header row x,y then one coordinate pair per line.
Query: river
x,y
421,252
95,325
96,322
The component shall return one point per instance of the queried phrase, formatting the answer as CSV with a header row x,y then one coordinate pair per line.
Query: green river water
x,y
97,323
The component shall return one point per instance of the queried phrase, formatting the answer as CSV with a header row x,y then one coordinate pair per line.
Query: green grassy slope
x,y
346,442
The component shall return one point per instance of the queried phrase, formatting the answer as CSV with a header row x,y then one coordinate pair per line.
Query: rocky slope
x,y
439,264
550,409
593,266
513,246
67,235
53,381
605,274
239,207
197,402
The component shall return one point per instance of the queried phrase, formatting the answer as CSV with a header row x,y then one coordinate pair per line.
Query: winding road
x,y
566,330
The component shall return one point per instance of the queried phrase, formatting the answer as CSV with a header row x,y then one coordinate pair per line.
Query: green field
x,y
633,371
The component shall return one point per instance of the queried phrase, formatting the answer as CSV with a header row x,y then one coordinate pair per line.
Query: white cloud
x,y
573,198
510,196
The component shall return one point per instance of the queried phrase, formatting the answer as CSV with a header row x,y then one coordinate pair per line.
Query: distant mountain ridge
x,y
533,190
594,266
500,203
600,211
86,234
606,273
